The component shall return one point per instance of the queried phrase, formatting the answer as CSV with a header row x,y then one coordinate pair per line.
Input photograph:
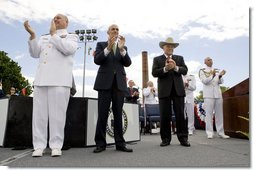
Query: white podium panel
x,y
130,123
3,118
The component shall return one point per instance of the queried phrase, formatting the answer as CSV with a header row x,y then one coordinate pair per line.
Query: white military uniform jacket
x,y
55,55
211,85
189,98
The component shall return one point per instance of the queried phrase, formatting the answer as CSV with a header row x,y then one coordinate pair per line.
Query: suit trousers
x,y
166,116
49,106
105,97
214,106
189,110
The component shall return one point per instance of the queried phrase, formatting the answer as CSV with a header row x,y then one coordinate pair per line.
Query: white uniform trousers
x,y
214,105
49,106
189,109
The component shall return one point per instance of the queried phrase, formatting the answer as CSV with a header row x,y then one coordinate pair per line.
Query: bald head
x,y
112,27
208,61
64,16
61,21
113,31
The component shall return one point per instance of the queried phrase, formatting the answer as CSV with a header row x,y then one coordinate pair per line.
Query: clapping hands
x,y
135,93
121,42
223,72
170,64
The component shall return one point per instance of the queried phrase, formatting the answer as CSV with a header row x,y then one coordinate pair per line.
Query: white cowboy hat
x,y
168,41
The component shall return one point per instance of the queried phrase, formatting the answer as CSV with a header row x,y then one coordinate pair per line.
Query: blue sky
x,y
215,28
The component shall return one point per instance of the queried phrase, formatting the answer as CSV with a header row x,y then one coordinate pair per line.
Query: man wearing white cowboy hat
x,y
169,68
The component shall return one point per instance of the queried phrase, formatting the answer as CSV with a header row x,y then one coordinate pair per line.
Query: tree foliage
x,y
10,75
223,89
199,98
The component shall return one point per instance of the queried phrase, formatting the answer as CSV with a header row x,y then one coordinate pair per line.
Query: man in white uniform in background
x,y
213,103
190,87
52,83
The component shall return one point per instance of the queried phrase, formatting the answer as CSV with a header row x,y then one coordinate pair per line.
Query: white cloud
x,y
88,73
134,72
20,56
193,66
89,91
212,19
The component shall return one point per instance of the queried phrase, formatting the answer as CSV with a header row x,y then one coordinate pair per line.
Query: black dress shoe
x,y
164,143
123,148
185,143
19,148
66,147
99,149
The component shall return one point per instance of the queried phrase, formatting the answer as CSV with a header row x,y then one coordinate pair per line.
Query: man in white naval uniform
x,y
52,83
190,86
213,103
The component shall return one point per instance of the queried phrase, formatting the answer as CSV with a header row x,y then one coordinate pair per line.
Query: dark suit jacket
x,y
1,93
129,98
110,66
166,80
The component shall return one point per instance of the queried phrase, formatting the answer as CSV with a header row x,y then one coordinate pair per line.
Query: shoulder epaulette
x,y
207,74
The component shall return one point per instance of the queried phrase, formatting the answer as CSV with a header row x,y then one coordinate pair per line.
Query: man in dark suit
x,y
133,93
111,85
169,69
